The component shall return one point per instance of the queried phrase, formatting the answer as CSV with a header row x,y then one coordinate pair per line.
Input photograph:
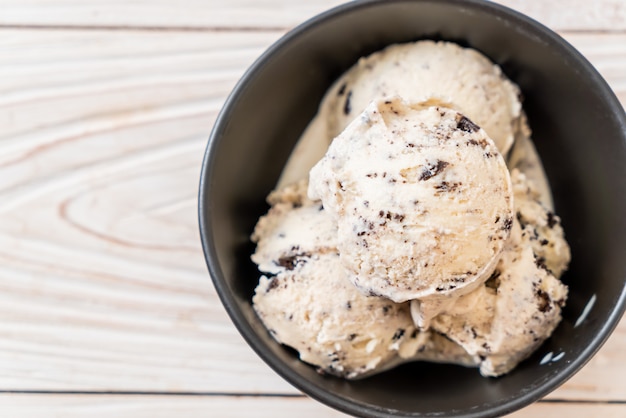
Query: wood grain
x,y
106,406
100,153
201,14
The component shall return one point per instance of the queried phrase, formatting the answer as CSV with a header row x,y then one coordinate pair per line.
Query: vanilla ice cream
x,y
505,320
425,70
415,242
310,304
422,199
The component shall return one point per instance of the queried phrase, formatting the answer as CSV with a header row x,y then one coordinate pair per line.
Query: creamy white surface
x,y
505,320
422,200
419,71
533,205
546,235
311,305
430,70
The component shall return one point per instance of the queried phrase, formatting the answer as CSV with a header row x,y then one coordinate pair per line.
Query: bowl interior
x,y
579,129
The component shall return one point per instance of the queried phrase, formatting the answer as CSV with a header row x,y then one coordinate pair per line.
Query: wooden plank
x,y
105,406
561,15
100,153
163,13
574,15
100,148
573,409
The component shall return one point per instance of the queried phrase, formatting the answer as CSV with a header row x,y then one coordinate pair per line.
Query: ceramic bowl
x,y
579,129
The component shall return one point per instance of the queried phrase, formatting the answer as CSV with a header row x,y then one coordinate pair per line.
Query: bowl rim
x,y
229,301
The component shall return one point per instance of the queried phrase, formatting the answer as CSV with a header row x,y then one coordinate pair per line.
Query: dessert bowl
x,y
579,129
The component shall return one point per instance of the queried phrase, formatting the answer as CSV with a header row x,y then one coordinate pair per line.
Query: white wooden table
x,y
106,307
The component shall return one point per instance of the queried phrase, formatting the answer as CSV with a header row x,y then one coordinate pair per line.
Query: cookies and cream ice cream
x,y
420,71
294,227
507,318
543,226
422,199
415,242
423,70
310,304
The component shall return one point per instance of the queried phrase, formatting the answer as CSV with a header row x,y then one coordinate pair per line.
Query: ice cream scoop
x,y
545,233
508,317
417,71
292,230
422,199
425,70
311,306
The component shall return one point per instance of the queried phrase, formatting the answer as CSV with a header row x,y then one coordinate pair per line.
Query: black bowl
x,y
580,132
